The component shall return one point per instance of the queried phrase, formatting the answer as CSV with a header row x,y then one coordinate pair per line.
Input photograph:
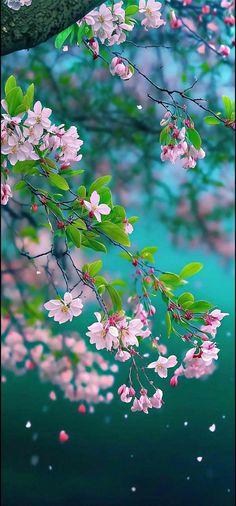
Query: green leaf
x,y
81,192
106,197
93,244
14,98
95,267
61,37
80,224
80,33
100,281
29,97
10,83
114,232
74,235
115,297
168,324
150,249
211,120
99,183
186,299
126,256
165,135
228,106
55,209
131,9
194,138
23,167
191,269
170,279
58,181
200,306
133,219
19,186
118,212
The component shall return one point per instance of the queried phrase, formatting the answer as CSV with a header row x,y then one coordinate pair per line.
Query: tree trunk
x,y
30,26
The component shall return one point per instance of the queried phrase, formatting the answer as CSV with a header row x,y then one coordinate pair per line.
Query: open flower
x,y
95,208
102,334
38,118
209,352
64,310
152,17
162,364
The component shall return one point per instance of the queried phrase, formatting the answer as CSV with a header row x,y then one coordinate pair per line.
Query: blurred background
x,y
114,457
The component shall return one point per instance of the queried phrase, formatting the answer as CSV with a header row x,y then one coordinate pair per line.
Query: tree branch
x,y
30,26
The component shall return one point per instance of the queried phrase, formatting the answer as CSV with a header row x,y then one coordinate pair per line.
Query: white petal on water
x,y
28,425
125,416
185,424
133,489
188,478
212,427
50,468
199,459
139,106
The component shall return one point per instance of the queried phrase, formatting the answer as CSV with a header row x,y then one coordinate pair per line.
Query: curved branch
x,y
30,26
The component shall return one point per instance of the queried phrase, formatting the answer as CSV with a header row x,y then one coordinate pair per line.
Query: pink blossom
x,y
122,355
102,334
64,310
39,118
103,22
156,399
174,22
224,50
209,352
95,208
151,10
18,149
162,364
213,321
143,403
126,393
128,227
129,330
119,68
6,193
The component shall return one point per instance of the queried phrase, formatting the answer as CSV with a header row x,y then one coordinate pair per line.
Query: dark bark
x,y
30,26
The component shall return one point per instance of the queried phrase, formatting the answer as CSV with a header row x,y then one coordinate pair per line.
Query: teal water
x,y
109,454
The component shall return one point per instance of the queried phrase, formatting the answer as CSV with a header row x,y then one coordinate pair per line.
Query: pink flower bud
x,y
81,408
174,381
206,9
152,310
63,437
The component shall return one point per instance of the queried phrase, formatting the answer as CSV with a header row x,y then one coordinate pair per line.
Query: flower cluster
x,y
118,332
178,145
82,375
28,138
143,403
110,24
